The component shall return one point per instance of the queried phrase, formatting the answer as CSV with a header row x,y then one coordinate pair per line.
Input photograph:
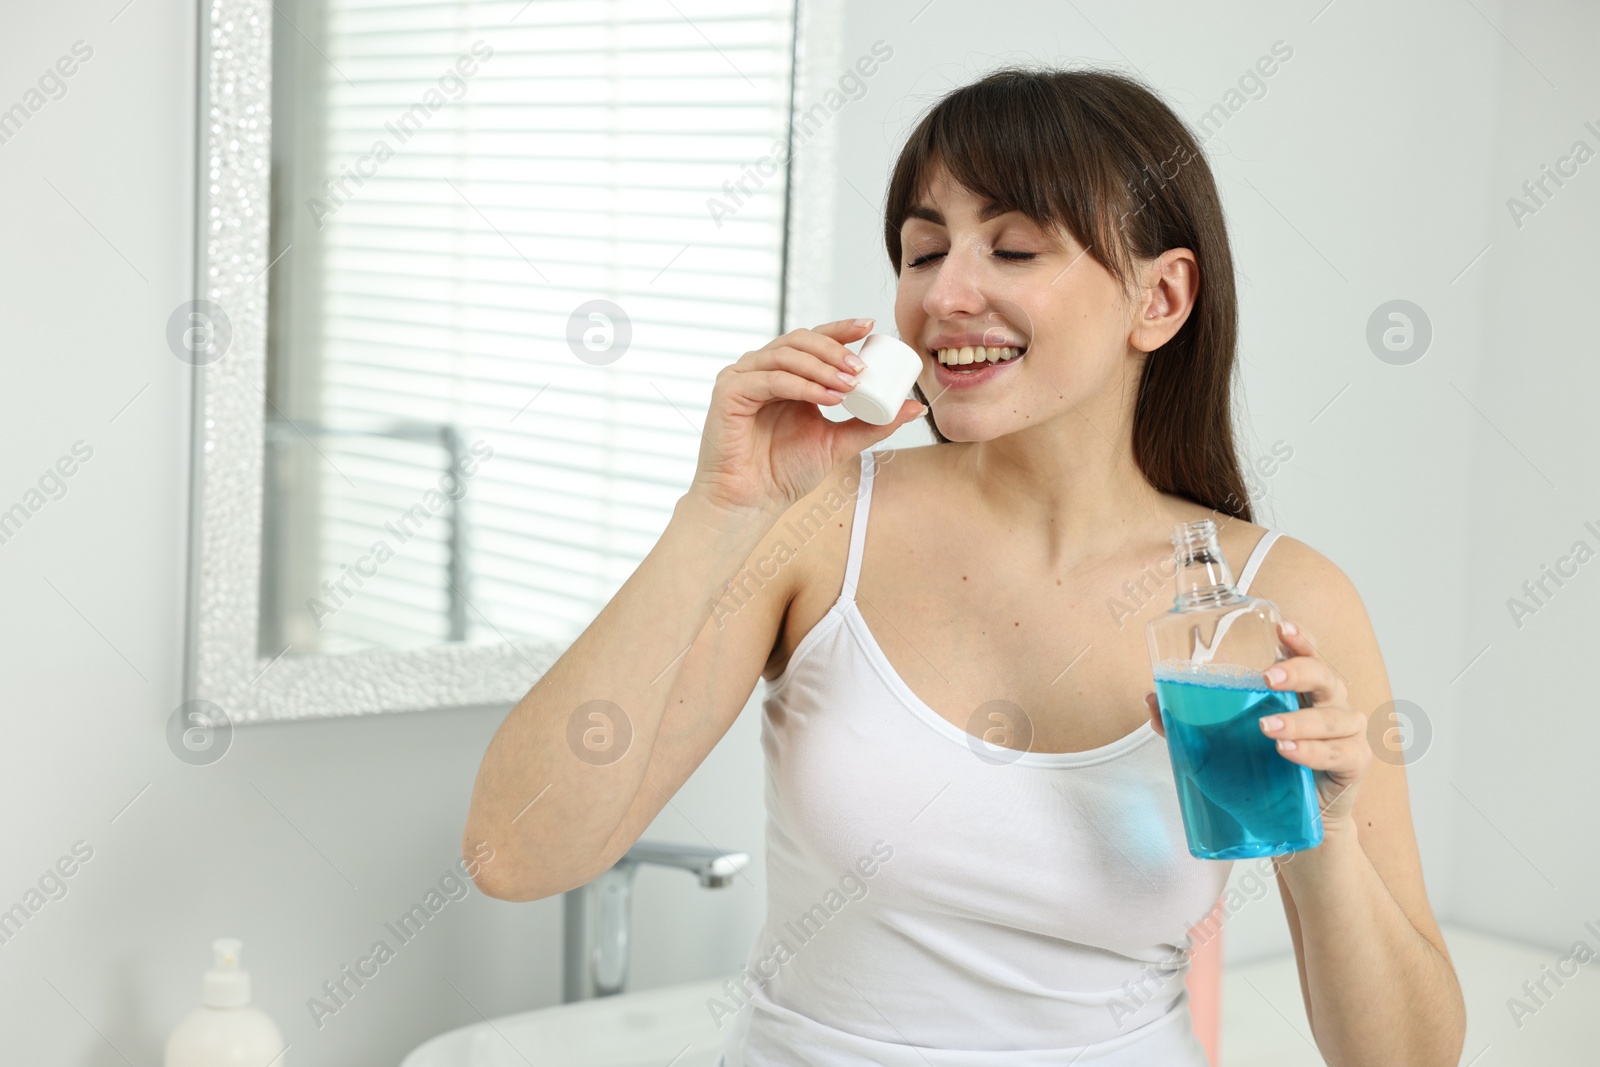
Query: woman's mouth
x,y
956,367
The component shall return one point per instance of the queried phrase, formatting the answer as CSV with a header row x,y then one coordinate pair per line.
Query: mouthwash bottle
x,y
1239,796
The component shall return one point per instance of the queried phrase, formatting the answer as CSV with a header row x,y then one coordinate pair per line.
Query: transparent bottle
x,y
1239,796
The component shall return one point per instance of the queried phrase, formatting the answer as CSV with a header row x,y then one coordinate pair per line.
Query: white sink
x,y
1263,1019
651,1028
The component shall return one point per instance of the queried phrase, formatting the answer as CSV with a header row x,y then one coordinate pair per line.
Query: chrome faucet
x,y
596,916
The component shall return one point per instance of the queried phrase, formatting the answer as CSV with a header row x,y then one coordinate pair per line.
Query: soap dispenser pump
x,y
226,1031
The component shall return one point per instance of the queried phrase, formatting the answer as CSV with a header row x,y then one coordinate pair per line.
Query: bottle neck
x,y
1204,578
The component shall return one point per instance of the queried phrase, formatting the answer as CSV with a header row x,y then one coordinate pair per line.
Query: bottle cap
x,y
226,985
892,368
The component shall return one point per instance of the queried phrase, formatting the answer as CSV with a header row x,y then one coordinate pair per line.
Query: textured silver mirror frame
x,y
223,661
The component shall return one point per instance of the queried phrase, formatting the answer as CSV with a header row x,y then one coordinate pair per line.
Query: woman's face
x,y
1005,282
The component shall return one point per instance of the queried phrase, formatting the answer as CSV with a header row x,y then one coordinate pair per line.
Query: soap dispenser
x,y
225,1031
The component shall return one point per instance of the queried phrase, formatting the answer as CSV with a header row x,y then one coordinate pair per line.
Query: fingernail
x,y
1290,628
1275,675
862,322
1286,744
1271,723
834,393
855,362
848,379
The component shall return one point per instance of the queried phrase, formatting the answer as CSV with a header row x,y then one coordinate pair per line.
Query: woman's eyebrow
x,y
931,214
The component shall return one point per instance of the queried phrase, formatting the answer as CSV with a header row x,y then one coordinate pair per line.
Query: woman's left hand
x,y
1329,736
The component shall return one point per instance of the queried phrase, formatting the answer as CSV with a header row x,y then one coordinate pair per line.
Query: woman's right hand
x,y
765,443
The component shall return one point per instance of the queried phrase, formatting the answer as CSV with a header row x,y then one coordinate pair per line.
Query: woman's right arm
x,y
673,657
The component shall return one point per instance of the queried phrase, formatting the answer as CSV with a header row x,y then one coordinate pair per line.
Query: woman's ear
x,y
1169,287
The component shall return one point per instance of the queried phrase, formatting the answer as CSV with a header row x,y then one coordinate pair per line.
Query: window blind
x,y
571,160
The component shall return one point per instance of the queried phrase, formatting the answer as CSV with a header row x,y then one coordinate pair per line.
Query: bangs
x,y
1026,146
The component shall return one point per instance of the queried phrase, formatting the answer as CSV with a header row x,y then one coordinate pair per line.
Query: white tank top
x,y
929,907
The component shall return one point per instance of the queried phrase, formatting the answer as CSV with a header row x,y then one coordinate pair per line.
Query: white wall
x,y
1524,860
1388,143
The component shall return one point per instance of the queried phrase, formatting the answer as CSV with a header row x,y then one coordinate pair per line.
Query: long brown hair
x,y
1101,155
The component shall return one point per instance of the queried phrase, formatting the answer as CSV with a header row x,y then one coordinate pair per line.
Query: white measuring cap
x,y
892,369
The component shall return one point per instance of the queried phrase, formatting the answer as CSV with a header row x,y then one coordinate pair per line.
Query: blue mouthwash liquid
x,y
1240,798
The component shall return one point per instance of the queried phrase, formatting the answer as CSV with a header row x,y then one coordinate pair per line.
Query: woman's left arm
x,y
1379,984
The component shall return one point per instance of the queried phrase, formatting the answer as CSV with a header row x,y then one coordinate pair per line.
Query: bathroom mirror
x,y
466,273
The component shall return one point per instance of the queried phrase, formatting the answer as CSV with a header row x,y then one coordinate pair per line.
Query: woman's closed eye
x,y
1016,257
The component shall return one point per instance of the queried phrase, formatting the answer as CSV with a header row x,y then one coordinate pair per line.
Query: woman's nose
x,y
955,285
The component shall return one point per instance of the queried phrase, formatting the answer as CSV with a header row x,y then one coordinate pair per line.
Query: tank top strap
x,y
858,527
1257,554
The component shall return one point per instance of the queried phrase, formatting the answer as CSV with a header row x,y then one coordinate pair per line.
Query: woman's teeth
x,y
951,357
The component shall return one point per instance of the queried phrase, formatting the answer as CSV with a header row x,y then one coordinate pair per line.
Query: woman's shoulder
x,y
1306,584
1288,566
1296,565
822,519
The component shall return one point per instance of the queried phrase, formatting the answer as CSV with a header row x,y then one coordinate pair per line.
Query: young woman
x,y
928,903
